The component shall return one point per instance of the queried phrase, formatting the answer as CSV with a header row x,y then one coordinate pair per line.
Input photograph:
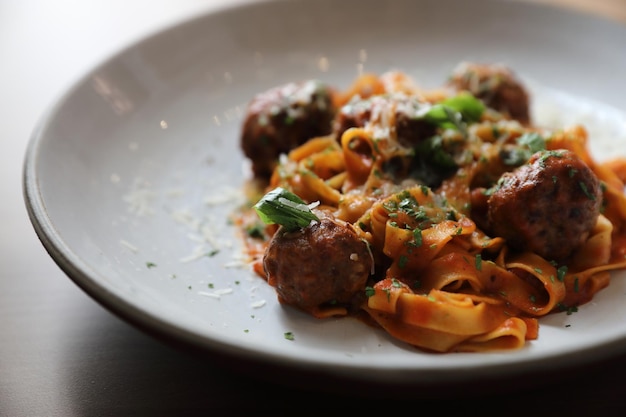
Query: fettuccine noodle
x,y
435,205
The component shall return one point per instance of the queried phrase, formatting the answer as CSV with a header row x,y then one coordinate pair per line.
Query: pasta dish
x,y
443,216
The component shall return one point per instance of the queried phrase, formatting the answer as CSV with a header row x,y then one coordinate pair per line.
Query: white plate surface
x,y
131,176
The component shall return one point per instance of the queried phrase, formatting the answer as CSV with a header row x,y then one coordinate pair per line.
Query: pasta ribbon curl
x,y
441,320
417,175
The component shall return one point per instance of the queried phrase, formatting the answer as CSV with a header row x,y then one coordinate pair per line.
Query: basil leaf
x,y
283,207
454,112
465,103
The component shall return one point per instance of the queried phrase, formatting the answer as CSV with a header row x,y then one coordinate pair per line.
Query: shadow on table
x,y
133,373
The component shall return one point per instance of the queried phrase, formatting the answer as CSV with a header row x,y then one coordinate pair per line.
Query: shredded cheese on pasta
x,y
438,280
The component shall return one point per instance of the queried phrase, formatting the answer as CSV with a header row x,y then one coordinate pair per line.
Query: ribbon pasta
x,y
442,283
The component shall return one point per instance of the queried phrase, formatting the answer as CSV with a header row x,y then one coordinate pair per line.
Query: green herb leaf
x,y
533,141
514,156
453,111
433,150
469,106
478,262
529,143
444,116
283,207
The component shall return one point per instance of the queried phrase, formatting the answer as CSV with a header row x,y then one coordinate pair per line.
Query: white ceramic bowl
x,y
130,178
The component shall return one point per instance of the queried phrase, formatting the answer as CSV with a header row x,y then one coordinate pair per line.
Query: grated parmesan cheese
x,y
217,293
140,198
129,246
224,195
185,217
235,264
209,294
198,252
258,304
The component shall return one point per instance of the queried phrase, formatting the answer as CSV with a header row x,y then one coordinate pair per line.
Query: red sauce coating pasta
x,y
447,218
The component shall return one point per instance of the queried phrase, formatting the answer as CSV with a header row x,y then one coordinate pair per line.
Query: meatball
x,y
406,112
497,86
325,262
283,118
547,206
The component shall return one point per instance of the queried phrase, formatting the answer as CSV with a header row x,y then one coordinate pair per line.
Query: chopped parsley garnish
x,y
410,206
434,151
583,187
549,154
256,231
417,238
528,144
568,309
560,273
533,141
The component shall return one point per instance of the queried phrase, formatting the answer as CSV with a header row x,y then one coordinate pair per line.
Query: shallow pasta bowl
x,y
131,177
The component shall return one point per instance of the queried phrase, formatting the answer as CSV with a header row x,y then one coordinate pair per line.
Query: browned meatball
x,y
406,112
325,262
496,85
547,206
282,118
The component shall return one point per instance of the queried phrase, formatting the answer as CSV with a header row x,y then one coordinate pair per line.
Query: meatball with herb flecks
x,y
398,113
282,118
496,85
327,264
548,206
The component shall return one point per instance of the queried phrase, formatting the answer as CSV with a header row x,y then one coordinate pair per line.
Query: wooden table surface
x,y
62,354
